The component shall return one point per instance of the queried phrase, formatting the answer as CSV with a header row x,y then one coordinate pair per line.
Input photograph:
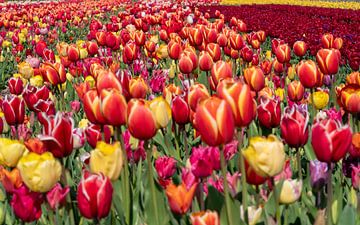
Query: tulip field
x,y
188,112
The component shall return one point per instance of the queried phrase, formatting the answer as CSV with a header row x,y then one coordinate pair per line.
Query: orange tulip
x,y
54,73
309,74
338,42
296,91
197,93
254,77
222,40
101,37
140,119
73,53
236,41
195,37
327,40
328,60
240,99
174,50
221,70
113,107
129,52
353,78
300,48
92,107
283,53
139,38
179,197
214,121
10,179
205,218
107,80
350,98
214,50
186,65
138,87
205,61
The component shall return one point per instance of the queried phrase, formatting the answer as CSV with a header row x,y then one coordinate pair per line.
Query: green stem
x,y
226,188
329,196
185,143
201,195
298,158
151,183
243,178
277,208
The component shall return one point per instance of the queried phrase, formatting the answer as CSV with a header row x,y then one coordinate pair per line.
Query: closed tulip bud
x,y
180,110
73,53
259,152
101,38
163,35
107,80
94,195
56,197
180,197
140,119
107,159
39,172
161,111
27,204
236,41
92,48
328,61
350,98
54,73
16,86
138,87
261,35
150,46
197,93
296,91
214,50
300,48
329,139
309,74
57,135
255,78
327,40
205,218
278,67
338,43
283,53
196,37
214,121
140,38
185,64
129,53
318,174
269,112
293,126
113,107
10,152
14,110
165,167
205,61
221,70
254,41
174,50
290,191
92,107
211,35
320,99
238,96
222,40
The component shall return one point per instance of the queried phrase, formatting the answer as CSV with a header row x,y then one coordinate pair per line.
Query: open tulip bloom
x,y
180,112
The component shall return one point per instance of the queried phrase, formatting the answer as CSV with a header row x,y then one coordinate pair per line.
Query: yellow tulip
x,y
107,159
10,152
25,70
172,70
253,213
83,53
280,93
290,191
37,81
39,172
161,110
83,123
162,51
268,55
90,81
265,155
320,99
291,73
6,44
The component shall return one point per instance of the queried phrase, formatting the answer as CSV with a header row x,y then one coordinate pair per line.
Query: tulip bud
x,y
94,195
92,48
338,43
180,110
113,107
295,91
211,116
185,64
269,112
16,86
197,93
222,40
300,48
54,73
73,53
255,78
309,74
56,197
290,191
349,98
10,180
27,204
283,53
161,111
205,61
14,110
174,50
328,60
221,70
214,50
327,40
236,41
205,218
129,53
138,88
320,99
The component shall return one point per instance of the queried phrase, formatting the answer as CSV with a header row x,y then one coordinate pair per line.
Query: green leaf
x,y
348,216
215,200
309,151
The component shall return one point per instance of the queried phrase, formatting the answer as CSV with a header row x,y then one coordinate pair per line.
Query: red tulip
x,y
14,110
269,112
101,38
327,40
293,126
57,134
255,78
33,94
275,43
73,53
252,177
296,91
328,61
205,61
54,73
129,53
221,70
93,134
16,86
214,50
236,41
92,107
330,140
180,110
186,65
92,48
138,88
246,54
106,79
140,38
56,197
195,37
94,195
300,48
197,93
214,121
174,50
338,43
27,204
309,74
39,48
283,53
222,40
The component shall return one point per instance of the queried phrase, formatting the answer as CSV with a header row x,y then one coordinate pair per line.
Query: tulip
x,y
16,86
94,134
309,74
204,160
197,93
10,180
318,174
295,91
140,119
162,52
327,40
328,61
320,99
290,191
174,50
205,61
259,152
113,107
330,140
54,73
10,152
254,214
107,80
56,197
214,50
129,53
25,70
92,107
73,53
32,95
165,167
283,53
39,172
150,46
252,177
14,110
355,145
195,37
92,48
186,65
300,48
94,196
238,96
293,126
138,88
255,78
205,218
107,159
236,41
269,112
278,67
179,197
161,111
27,204
221,70
139,38
57,135
180,110
338,43
214,121
350,98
